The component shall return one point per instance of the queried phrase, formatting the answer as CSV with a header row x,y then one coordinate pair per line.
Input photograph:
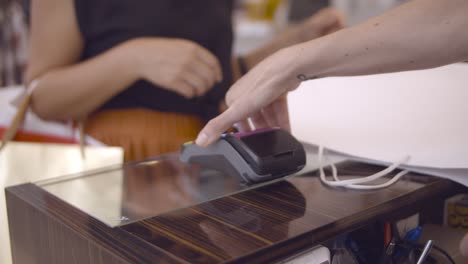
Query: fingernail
x,y
202,140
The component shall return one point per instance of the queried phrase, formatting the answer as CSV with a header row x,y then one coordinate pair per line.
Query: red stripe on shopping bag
x,y
38,137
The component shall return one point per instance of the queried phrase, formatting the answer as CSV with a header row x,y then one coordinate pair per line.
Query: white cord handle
x,y
357,184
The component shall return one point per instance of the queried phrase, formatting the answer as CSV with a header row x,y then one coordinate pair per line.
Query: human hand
x,y
178,65
259,95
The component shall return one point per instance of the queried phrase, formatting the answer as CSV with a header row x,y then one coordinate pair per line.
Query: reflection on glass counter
x,y
124,194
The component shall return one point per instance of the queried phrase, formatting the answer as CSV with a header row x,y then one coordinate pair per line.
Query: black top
x,y
107,23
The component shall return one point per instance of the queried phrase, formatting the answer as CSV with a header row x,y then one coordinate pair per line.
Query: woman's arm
x,y
68,89
419,34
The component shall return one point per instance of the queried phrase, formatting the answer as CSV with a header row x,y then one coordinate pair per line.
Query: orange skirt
x,y
143,133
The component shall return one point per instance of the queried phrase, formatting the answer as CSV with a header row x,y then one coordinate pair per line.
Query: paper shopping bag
x,y
421,114
28,127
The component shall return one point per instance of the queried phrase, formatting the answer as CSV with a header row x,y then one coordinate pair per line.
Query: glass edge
x,y
109,168
83,174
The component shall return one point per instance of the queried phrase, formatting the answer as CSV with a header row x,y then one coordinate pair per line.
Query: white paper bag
x,y
423,114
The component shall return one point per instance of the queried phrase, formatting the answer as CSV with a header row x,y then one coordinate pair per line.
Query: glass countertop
x,y
123,194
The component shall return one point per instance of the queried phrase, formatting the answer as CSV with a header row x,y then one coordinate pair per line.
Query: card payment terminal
x,y
253,157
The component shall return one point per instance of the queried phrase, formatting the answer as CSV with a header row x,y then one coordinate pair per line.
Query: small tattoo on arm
x,y
304,78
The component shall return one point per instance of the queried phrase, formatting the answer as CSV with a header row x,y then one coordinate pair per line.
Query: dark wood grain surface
x,y
255,226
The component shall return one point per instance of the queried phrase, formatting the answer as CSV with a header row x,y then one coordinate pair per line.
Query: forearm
x,y
417,35
74,91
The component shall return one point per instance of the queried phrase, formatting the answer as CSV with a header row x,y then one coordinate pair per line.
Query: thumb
x,y
215,127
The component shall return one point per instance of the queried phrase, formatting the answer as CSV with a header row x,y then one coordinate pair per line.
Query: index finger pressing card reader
x,y
257,156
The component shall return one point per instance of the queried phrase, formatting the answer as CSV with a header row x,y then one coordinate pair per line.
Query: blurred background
x,y
256,22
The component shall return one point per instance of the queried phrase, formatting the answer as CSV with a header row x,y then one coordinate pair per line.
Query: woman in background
x,y
145,75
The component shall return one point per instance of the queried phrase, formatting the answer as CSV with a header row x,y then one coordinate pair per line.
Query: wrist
x,y
131,59
309,61
283,69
